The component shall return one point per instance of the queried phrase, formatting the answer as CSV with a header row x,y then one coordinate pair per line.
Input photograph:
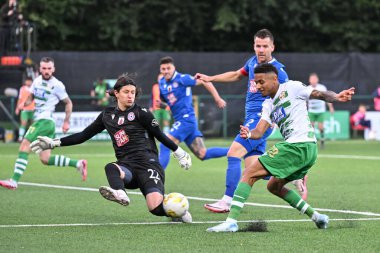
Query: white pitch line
x,y
350,157
167,222
202,199
356,157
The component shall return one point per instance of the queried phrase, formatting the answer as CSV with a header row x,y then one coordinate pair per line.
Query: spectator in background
x,y
376,99
99,92
160,110
27,111
317,108
10,17
358,121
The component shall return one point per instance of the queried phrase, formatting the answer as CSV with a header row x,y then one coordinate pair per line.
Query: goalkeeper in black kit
x,y
132,129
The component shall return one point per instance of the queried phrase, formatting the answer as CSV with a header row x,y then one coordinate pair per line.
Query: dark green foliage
x,y
174,25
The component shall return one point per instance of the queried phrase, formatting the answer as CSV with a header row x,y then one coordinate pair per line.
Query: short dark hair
x,y
265,68
47,59
166,60
123,80
262,34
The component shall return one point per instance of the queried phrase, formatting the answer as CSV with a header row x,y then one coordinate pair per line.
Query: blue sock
x,y
233,175
215,153
164,156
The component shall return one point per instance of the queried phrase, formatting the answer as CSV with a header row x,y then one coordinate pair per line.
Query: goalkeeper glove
x,y
44,143
183,158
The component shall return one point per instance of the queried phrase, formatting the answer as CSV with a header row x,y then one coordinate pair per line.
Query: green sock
x,y
297,202
60,160
241,195
20,165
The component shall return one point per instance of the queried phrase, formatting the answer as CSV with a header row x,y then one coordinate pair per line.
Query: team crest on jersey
x,y
175,85
112,116
121,120
252,86
170,88
131,116
283,94
155,123
121,138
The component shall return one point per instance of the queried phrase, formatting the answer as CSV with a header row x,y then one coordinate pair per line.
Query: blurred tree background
x,y
197,25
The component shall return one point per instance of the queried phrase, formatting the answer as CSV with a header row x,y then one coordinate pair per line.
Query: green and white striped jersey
x,y
47,94
288,110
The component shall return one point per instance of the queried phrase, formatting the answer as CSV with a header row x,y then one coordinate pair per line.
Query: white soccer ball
x,y
175,204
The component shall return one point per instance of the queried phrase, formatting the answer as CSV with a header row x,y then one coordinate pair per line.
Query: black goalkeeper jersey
x,y
132,131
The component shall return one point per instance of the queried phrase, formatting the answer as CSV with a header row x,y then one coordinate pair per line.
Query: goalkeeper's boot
x,y
119,196
301,187
9,184
186,218
220,206
82,168
321,220
224,227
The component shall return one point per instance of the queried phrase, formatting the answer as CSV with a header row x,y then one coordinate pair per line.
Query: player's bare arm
x,y
68,111
330,96
211,88
230,76
256,133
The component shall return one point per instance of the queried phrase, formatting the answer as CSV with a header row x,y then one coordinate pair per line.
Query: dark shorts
x,y
147,176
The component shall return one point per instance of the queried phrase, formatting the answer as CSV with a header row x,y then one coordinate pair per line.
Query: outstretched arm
x,y
255,133
44,142
230,76
211,88
330,96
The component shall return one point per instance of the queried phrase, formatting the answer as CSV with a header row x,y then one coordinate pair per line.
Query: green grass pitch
x,y
344,184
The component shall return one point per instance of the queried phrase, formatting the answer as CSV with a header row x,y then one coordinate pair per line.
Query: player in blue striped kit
x,y
175,90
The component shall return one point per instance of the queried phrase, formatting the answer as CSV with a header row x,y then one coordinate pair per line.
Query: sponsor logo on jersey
x,y
121,138
155,123
252,86
131,116
121,120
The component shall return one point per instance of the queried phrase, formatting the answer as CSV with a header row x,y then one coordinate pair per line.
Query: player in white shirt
x,y
47,91
288,160
317,108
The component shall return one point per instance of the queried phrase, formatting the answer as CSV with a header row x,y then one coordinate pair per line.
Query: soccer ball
x,y
175,204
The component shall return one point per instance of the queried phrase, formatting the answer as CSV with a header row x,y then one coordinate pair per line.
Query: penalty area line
x,y
201,199
167,223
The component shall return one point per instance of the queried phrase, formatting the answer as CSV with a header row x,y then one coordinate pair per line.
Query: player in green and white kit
x,y
288,160
317,108
47,91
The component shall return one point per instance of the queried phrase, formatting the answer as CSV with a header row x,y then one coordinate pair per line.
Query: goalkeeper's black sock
x,y
113,176
159,210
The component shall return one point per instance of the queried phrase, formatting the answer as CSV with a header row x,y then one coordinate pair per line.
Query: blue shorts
x,y
186,130
254,147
